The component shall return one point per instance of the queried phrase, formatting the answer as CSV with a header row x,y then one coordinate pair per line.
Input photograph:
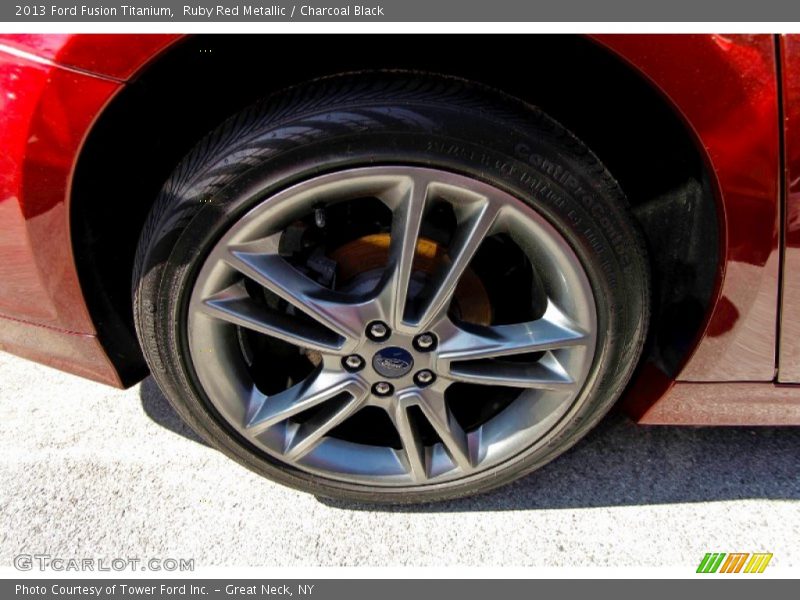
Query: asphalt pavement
x,y
87,470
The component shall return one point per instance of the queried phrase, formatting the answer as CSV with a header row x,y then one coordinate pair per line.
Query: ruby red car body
x,y
738,97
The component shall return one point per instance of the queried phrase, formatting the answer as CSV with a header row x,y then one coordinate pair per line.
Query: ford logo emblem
x,y
392,362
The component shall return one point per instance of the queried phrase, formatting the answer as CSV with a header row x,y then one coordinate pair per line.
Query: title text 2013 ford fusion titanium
x,y
411,267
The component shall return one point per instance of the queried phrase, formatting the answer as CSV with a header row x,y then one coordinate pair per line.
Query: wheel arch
x,y
604,100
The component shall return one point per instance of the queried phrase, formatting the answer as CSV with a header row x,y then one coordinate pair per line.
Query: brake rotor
x,y
371,252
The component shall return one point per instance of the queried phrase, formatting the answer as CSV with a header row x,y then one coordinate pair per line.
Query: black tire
x,y
386,119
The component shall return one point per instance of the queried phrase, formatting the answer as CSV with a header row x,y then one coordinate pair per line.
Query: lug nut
x,y
353,362
382,388
425,342
377,331
424,377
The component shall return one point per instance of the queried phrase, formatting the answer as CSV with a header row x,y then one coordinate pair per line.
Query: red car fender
x,y
724,87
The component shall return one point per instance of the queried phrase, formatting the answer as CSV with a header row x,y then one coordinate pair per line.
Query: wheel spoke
x,y
304,437
554,330
546,373
260,262
406,221
413,448
315,390
475,226
453,437
234,305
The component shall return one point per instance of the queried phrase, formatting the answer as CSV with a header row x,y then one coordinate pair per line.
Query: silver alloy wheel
x,y
564,338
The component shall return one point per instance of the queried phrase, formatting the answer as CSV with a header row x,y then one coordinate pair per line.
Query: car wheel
x,y
391,288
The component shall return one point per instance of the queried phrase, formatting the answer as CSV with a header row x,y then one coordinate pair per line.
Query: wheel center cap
x,y
393,362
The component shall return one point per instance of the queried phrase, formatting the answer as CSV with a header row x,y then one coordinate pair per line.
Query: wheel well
x,y
158,117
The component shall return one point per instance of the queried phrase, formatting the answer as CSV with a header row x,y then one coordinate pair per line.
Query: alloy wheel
x,y
395,343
